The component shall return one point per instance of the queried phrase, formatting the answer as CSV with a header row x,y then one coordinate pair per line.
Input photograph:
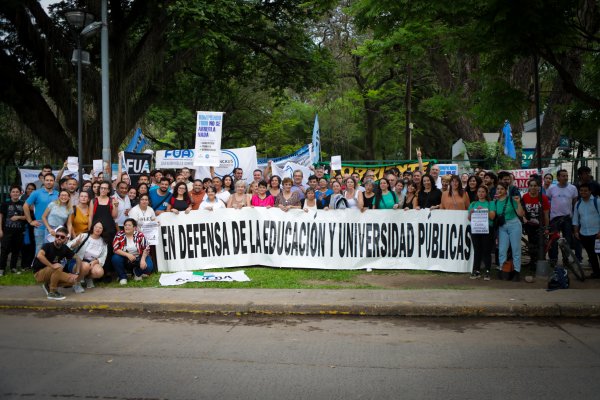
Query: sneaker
x,y
123,282
486,276
516,276
16,271
77,288
55,296
137,278
46,288
89,283
145,275
1,272
475,275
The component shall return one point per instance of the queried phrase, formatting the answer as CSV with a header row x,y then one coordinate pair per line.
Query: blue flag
x,y
316,141
509,145
137,143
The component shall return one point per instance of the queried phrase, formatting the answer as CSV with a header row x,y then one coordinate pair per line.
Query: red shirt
x,y
532,205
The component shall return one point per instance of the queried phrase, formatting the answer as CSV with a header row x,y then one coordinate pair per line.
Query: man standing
x,y
124,203
562,197
257,176
12,226
39,200
197,194
586,224
71,186
585,176
298,186
238,174
49,264
434,171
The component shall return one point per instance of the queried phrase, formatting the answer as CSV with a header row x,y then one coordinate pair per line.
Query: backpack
x,y
559,279
595,204
340,203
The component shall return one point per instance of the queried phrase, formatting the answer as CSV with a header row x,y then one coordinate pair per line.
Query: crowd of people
x,y
71,236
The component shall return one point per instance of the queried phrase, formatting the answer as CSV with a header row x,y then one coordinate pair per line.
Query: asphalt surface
x,y
48,355
441,302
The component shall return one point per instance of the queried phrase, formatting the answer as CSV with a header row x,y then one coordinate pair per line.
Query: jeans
x,y
120,263
562,224
510,234
39,234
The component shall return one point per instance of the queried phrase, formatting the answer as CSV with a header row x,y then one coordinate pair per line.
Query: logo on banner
x,y
229,160
179,153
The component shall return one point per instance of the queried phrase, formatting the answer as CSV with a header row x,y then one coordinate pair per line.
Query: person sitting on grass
x,y
92,250
131,251
49,264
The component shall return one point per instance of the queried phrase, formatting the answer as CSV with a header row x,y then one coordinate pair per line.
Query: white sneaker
x,y
77,288
137,278
89,283
123,282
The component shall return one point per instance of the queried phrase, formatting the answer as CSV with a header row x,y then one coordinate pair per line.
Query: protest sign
x,y
180,278
136,164
207,150
480,222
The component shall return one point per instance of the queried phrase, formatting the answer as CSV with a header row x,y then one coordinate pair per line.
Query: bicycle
x,y
568,255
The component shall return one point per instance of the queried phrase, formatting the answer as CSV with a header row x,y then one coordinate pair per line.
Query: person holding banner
x,y
262,198
352,195
309,202
180,201
482,221
429,196
160,195
274,186
239,199
228,184
368,196
211,202
410,199
286,198
385,199
455,198
222,194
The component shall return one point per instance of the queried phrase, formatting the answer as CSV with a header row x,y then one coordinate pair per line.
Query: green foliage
x,y
492,155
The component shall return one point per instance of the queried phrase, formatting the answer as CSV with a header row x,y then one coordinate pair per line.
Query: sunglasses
x,y
60,236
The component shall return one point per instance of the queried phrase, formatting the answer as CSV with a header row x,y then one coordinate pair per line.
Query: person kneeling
x,y
92,250
49,264
131,250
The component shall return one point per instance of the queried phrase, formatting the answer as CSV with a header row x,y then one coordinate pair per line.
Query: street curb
x,y
376,310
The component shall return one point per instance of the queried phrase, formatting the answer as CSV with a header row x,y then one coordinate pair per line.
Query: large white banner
x,y
244,157
209,125
31,175
336,239
301,156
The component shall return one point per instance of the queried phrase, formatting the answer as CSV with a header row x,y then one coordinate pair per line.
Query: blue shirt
x,y
587,217
158,202
40,199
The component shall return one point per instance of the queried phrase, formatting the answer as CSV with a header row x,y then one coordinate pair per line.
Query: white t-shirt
x,y
130,247
140,216
223,196
217,204
124,204
93,248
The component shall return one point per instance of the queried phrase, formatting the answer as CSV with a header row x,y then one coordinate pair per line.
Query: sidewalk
x,y
533,302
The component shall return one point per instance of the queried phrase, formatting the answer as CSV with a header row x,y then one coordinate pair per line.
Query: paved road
x,y
54,356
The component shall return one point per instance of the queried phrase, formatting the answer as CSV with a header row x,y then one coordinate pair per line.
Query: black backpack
x,y
559,279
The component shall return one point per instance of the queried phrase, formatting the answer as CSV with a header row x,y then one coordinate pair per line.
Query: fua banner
x,y
336,239
136,164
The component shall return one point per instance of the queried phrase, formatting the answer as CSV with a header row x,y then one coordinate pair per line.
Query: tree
x,y
151,41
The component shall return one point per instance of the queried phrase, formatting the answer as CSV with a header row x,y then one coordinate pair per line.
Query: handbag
x,y
500,219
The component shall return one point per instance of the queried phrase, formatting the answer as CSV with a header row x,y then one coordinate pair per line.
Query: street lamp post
x,y
82,25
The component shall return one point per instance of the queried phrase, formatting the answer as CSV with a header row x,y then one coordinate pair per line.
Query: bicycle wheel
x,y
571,262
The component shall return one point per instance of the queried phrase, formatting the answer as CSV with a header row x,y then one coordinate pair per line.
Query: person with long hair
x,y
228,184
482,242
410,199
57,214
429,196
28,190
455,198
180,201
262,198
105,209
94,190
473,184
511,230
142,188
92,250
309,202
385,199
132,193
239,198
80,218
